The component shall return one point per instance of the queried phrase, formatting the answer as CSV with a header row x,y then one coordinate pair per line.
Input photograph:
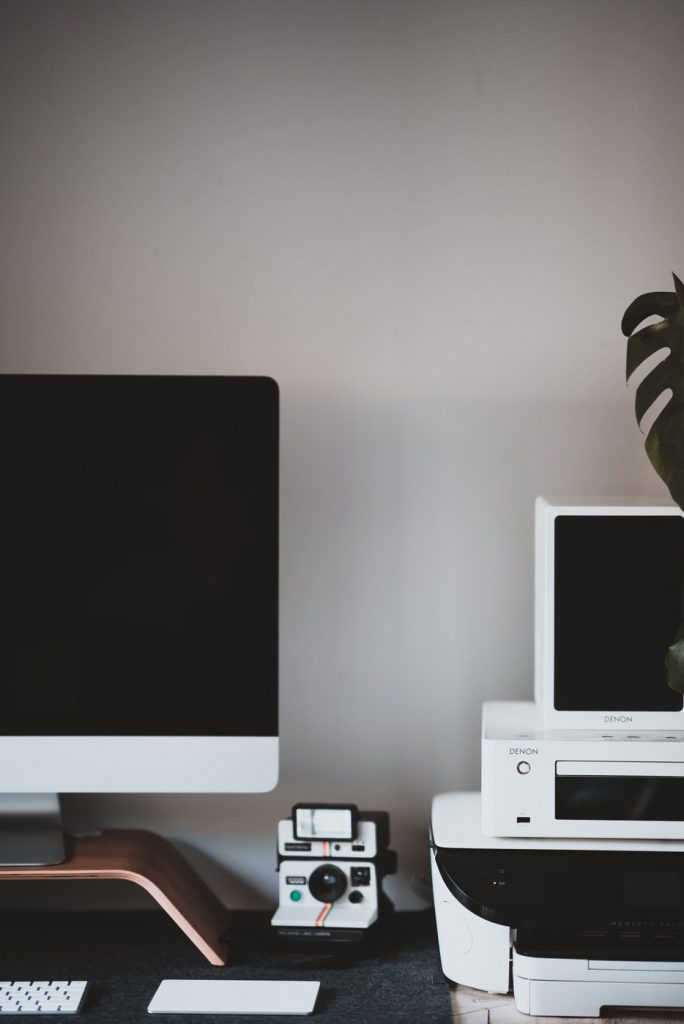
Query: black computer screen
x,y
618,602
138,555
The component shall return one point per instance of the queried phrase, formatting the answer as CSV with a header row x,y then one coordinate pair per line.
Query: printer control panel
x,y
601,890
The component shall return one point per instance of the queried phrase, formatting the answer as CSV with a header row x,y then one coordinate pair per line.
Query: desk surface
x,y
125,955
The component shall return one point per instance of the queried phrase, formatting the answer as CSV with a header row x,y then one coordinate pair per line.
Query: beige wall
x,y
425,220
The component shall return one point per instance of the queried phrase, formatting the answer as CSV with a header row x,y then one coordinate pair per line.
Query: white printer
x,y
571,926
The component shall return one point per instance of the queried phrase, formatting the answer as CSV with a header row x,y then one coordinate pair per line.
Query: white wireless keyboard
x,y
41,996
229,996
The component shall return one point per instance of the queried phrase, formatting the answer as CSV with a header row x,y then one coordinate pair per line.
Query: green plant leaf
x,y
665,439
679,289
674,662
651,304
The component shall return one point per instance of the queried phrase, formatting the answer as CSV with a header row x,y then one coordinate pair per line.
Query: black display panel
x,y
139,554
620,798
645,889
618,602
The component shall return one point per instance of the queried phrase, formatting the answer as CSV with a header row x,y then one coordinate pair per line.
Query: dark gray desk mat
x,y
125,955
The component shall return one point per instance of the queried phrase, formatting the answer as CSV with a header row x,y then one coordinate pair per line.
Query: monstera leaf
x,y
665,439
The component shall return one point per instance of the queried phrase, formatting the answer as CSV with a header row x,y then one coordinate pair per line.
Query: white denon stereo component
x,y
609,599
578,783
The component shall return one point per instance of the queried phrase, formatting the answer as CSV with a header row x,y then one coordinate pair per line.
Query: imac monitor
x,y
139,583
610,599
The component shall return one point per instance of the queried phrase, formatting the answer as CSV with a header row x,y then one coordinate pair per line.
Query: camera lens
x,y
327,883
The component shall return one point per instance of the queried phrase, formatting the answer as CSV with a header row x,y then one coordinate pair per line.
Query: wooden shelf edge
x,y
151,862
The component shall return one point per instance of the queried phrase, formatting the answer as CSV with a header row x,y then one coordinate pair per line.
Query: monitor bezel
x,y
138,764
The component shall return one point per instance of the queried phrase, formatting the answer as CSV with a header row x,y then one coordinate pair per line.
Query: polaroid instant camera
x,y
332,860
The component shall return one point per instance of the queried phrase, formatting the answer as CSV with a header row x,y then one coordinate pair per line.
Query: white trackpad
x,y
229,996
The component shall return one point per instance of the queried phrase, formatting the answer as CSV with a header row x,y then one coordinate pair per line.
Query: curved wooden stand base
x,y
152,862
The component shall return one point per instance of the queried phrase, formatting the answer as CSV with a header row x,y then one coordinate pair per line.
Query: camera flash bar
x,y
329,821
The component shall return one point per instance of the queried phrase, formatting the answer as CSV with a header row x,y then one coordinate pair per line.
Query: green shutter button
x,y
295,895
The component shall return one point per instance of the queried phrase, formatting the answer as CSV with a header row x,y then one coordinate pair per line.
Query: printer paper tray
x,y
563,987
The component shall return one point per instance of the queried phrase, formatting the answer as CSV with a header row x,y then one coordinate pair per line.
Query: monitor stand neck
x,y
31,831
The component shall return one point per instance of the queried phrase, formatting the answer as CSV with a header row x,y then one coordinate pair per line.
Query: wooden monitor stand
x,y
152,862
